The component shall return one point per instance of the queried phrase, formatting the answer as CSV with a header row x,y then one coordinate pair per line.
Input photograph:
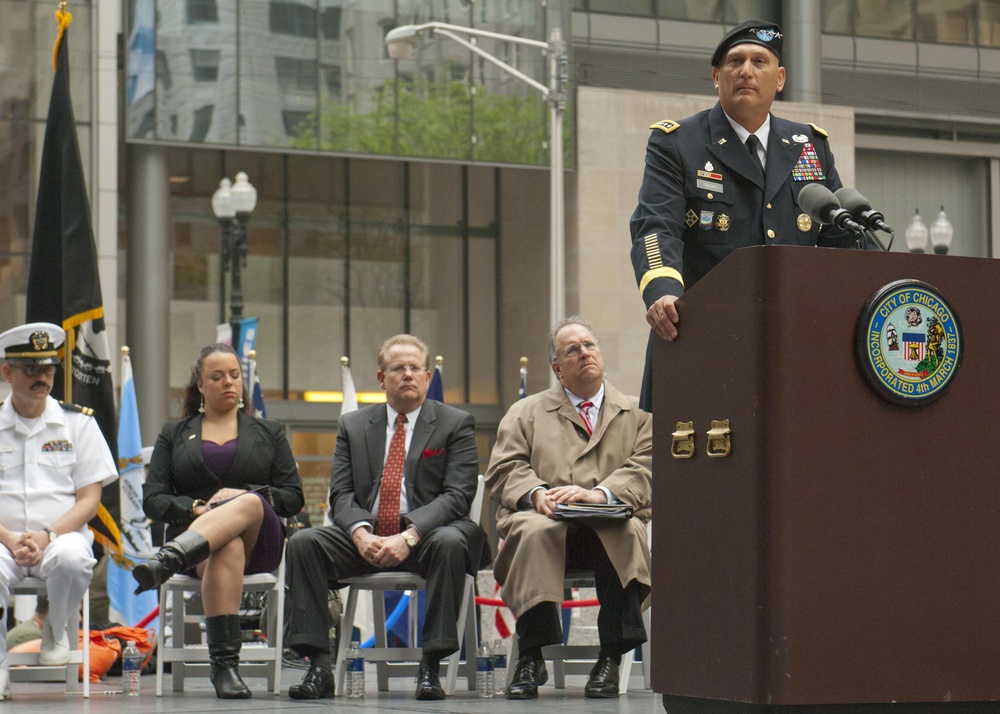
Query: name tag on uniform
x,y
6,449
709,185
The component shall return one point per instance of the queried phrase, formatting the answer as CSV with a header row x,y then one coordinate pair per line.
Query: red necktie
x,y
584,408
387,518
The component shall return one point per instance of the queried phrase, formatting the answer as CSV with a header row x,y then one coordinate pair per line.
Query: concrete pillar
x,y
149,284
802,51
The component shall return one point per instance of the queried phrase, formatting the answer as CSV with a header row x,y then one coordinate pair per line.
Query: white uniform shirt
x,y
41,469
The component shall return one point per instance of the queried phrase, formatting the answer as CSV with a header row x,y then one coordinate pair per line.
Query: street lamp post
x,y
232,204
401,42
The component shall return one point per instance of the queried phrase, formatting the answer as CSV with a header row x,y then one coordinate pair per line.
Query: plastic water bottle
x,y
484,672
131,667
355,672
499,656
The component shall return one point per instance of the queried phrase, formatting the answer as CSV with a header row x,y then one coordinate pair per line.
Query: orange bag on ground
x,y
145,640
103,653
105,648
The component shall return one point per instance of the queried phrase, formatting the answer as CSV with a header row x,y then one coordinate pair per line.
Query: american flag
x,y
914,346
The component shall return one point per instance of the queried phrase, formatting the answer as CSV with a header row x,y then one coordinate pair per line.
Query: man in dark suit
x,y
404,476
725,178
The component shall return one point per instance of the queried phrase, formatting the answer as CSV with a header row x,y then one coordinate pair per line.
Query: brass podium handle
x,y
719,439
682,446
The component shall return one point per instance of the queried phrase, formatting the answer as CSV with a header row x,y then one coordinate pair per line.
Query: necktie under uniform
x,y
752,144
585,414
387,518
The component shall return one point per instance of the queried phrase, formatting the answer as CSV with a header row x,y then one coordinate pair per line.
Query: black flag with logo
x,y
63,282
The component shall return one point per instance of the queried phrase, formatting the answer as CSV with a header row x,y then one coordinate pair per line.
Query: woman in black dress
x,y
221,479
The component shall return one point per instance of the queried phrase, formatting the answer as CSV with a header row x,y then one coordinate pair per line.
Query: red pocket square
x,y
430,453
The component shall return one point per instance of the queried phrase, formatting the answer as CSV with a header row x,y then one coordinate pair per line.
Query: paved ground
x,y
199,697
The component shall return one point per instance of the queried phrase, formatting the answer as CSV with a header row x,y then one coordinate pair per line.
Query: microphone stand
x,y
882,248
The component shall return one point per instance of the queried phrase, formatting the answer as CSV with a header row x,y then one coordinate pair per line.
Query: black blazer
x,y
440,473
178,475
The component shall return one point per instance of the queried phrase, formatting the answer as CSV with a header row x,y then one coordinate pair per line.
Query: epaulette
x,y
819,130
666,126
76,408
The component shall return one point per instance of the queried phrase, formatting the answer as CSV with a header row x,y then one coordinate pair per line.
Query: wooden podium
x,y
847,552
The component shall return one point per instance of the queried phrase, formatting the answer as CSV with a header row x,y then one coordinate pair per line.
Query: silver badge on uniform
x,y
801,138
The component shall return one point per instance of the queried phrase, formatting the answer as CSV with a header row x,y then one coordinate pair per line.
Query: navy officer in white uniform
x,y
54,462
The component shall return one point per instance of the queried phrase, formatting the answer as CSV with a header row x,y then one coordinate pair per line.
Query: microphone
x,y
861,210
822,206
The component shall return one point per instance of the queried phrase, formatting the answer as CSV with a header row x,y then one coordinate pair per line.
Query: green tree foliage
x,y
436,119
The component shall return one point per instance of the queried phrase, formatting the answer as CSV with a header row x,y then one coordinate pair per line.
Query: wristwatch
x,y
52,535
408,537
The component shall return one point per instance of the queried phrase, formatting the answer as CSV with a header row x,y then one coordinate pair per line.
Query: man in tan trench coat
x,y
582,441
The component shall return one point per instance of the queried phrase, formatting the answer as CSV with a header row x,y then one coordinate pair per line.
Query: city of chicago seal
x,y
908,342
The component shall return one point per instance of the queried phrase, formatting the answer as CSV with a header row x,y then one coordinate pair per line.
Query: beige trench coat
x,y
539,444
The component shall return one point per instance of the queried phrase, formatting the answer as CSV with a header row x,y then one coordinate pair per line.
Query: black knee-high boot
x,y
224,641
183,552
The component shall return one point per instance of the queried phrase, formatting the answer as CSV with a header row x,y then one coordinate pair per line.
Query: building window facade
x,y
343,253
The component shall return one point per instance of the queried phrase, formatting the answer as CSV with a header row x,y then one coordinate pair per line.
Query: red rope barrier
x,y
149,617
491,602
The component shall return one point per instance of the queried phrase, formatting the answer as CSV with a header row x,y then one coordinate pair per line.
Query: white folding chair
x,y
78,655
192,659
575,659
402,661
579,659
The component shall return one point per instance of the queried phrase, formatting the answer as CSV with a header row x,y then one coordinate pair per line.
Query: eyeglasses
x,y
34,370
574,349
398,370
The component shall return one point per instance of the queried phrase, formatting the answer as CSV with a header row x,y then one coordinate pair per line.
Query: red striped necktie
x,y
387,518
585,408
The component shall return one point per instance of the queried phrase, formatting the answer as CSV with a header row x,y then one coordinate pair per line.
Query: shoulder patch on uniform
x,y
666,126
819,130
76,408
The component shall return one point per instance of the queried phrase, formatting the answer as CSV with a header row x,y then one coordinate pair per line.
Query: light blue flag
x,y
137,544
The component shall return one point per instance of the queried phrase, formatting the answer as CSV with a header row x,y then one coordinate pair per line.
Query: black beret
x,y
765,34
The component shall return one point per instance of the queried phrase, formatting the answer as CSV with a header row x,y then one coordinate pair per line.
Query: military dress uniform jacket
x,y
542,442
703,196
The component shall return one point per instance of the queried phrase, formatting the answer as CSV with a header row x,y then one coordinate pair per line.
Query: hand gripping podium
x,y
845,555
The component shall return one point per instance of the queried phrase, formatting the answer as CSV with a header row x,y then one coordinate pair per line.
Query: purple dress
x,y
266,554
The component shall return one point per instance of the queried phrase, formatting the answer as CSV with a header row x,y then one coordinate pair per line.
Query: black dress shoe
x,y
603,681
317,684
428,684
529,675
